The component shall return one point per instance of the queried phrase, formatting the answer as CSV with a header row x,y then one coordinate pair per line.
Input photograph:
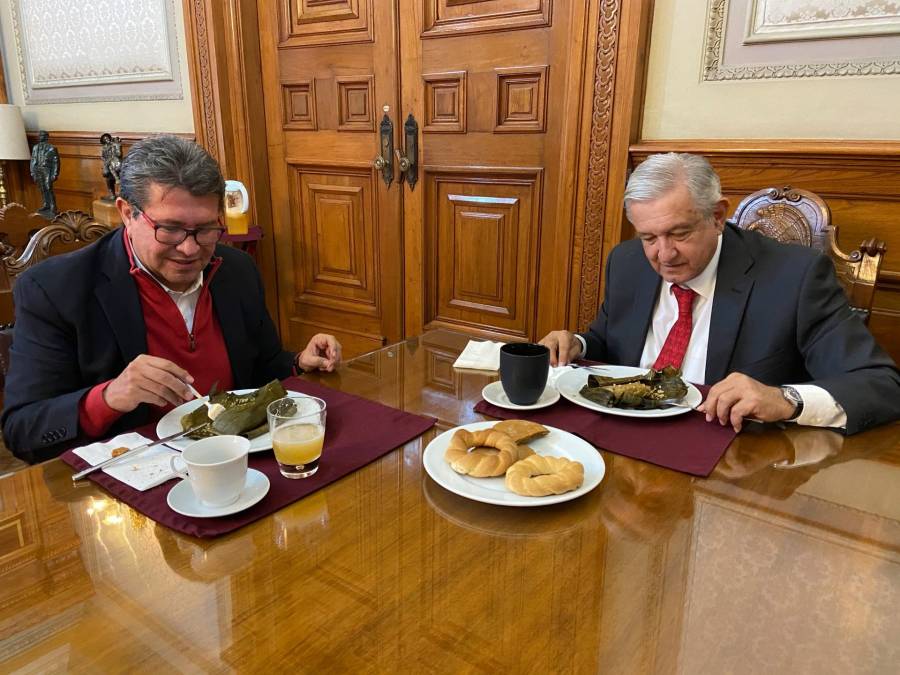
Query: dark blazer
x,y
779,315
79,323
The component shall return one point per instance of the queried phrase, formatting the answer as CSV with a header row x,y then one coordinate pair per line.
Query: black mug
x,y
523,371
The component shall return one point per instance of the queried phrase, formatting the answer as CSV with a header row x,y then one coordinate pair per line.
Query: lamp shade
x,y
13,142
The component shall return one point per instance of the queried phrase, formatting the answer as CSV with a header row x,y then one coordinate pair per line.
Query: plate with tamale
x,y
245,415
629,391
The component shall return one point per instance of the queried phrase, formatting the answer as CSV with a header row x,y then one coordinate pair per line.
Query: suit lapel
x,y
733,285
118,297
646,289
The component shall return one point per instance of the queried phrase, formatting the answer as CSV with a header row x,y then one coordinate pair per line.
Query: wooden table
x,y
759,568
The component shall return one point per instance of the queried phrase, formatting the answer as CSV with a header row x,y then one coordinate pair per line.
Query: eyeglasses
x,y
172,235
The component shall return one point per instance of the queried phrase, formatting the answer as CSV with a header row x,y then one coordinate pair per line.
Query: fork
x,y
213,410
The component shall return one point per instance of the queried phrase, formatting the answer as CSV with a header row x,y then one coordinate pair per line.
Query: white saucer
x,y
494,394
182,500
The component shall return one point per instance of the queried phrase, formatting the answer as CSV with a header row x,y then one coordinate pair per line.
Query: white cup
x,y
216,468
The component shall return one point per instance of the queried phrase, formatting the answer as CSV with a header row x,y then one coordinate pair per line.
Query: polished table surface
x,y
786,559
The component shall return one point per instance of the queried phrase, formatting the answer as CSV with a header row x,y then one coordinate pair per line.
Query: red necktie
x,y
679,336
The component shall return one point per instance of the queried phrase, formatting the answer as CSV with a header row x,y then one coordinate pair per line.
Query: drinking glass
x,y
297,429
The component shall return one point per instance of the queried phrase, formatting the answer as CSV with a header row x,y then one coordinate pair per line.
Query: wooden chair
x,y
802,217
70,230
66,232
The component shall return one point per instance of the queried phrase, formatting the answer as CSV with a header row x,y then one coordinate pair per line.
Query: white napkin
x,y
143,471
484,355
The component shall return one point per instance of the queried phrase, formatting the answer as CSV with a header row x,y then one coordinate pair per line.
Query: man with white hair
x,y
767,324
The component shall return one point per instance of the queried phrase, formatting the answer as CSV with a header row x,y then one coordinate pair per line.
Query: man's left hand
x,y
323,353
739,396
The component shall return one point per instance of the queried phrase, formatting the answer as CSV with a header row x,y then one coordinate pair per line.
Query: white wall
x,y
679,105
132,116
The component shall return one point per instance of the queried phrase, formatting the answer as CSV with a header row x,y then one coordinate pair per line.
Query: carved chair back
x,y
70,230
802,217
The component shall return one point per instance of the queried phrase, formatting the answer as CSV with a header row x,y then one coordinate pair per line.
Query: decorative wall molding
x,y
794,56
782,20
599,159
114,50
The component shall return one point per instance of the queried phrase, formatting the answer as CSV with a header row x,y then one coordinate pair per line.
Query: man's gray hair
x,y
660,174
171,162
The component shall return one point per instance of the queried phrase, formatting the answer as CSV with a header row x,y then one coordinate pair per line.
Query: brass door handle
x,y
384,162
411,145
402,162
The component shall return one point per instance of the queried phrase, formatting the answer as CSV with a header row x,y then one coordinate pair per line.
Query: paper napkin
x,y
483,355
143,471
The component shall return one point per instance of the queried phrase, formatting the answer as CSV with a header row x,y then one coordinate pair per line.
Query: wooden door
x,y
329,67
496,88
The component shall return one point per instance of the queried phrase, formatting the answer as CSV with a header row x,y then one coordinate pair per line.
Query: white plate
x,y
571,382
494,394
493,490
171,424
181,498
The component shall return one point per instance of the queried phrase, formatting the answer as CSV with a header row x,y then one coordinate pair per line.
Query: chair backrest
x,y
68,231
802,217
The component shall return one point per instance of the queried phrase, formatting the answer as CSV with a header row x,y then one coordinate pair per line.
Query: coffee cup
x,y
216,468
523,371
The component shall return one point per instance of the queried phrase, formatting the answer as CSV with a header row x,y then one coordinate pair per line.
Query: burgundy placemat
x,y
357,432
686,443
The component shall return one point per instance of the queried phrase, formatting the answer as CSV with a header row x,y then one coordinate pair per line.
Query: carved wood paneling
x,y
599,161
860,181
334,240
481,233
445,102
299,105
521,99
355,99
309,23
454,17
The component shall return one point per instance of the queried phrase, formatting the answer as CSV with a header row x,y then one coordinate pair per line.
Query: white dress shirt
x,y
819,407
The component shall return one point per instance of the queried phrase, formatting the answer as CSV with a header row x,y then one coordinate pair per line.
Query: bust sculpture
x,y
111,152
44,171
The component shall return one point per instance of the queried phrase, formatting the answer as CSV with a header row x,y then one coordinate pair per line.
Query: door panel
x,y
482,231
480,75
328,68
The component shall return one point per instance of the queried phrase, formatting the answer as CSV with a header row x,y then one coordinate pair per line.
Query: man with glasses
x,y
109,336
767,324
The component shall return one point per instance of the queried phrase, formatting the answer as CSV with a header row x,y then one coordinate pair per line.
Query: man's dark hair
x,y
171,162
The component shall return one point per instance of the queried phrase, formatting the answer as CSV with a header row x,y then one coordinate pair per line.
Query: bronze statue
x,y
112,163
44,171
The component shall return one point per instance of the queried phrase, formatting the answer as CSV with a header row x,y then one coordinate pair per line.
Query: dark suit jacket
x,y
79,323
779,315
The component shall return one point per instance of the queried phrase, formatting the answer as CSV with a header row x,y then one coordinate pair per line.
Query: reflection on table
x,y
787,558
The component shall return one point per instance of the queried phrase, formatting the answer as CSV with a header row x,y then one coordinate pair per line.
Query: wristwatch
x,y
792,395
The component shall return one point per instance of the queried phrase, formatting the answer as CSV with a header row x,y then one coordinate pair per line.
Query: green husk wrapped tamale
x,y
245,414
642,392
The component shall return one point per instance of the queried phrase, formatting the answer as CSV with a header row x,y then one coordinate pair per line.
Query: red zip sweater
x,y
202,352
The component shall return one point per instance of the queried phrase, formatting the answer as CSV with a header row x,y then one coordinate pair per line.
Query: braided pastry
x,y
481,465
538,476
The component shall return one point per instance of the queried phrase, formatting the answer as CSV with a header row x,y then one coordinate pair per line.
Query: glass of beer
x,y
297,429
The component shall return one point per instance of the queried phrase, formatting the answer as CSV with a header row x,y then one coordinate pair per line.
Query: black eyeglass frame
x,y
193,232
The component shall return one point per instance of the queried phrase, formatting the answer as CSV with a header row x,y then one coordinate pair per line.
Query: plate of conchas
x,y
513,463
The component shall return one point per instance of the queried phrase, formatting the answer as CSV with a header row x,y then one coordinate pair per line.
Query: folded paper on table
x,y
359,431
142,471
480,355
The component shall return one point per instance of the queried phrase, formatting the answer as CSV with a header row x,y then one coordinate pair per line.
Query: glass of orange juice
x,y
297,428
237,204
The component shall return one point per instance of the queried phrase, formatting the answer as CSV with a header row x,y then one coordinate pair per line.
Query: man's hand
x,y
563,346
322,352
148,379
739,396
